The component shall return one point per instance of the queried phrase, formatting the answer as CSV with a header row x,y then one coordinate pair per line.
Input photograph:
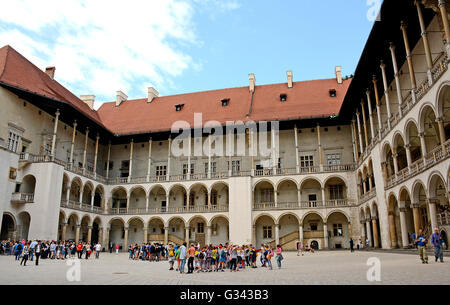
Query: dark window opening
x,y
333,93
283,97
225,102
178,108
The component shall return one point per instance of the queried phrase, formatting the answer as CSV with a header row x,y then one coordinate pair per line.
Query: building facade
x,y
316,162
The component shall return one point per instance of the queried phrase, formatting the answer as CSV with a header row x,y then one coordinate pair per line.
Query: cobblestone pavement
x,y
320,268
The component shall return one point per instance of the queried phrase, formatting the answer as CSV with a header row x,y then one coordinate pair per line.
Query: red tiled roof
x,y
17,71
307,99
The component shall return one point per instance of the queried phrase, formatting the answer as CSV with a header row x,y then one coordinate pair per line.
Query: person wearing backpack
x,y
25,252
18,250
171,257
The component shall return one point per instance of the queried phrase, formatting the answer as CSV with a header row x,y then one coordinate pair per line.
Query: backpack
x,y
201,255
171,252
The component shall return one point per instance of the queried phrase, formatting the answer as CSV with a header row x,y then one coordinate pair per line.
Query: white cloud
x,y
101,46
104,45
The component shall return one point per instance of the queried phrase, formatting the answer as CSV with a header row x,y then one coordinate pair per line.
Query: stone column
x,y
376,234
209,157
355,151
422,144
85,150
366,134
96,155
426,44
130,170
92,200
408,154
300,232
166,235
125,239
147,202
378,103
253,151
254,236
433,215
169,154
394,157
275,197
77,233
106,237
363,232
405,240
325,235
277,234
397,79
386,93
108,160
297,157
188,176
359,132
416,216
443,8
63,231
323,197
167,202
412,75
72,146
440,122
55,131
146,235
89,234
320,147
369,106
369,231
186,235
100,237
208,235
128,203
392,230
149,164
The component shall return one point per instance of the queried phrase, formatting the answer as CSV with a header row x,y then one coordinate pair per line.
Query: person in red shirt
x,y
79,250
191,253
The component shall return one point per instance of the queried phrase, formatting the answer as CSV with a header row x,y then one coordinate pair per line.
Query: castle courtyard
x,y
320,268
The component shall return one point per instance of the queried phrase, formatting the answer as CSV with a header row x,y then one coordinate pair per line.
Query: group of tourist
x,y
210,258
29,250
219,258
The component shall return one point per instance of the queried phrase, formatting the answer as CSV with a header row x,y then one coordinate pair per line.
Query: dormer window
x,y
333,93
225,102
178,108
283,97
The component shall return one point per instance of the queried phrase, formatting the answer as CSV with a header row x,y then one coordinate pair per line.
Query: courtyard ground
x,y
333,267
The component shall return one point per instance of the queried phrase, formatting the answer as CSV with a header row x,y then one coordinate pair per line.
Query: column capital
x,y
442,3
403,210
374,79
382,64
392,46
403,25
126,227
374,218
415,205
57,113
407,146
90,227
391,213
75,123
421,134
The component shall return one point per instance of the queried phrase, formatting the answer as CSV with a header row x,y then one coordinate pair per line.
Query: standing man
x,y
98,248
352,245
437,243
299,249
37,251
421,245
191,259
32,247
183,252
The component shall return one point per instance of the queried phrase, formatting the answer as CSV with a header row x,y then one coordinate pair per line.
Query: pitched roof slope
x,y
308,99
17,71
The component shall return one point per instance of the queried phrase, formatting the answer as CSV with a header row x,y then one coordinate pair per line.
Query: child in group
x,y
269,255
214,259
196,260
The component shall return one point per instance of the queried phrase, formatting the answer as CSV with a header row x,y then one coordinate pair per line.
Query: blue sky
x,y
180,46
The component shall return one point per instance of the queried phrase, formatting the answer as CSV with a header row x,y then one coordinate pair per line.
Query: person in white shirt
x,y
98,248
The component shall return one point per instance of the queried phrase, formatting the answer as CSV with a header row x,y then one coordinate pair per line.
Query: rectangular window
x,y
267,232
14,138
337,230
313,226
312,201
200,228
334,159
186,169
306,161
12,173
213,167
48,145
336,192
161,171
214,198
267,196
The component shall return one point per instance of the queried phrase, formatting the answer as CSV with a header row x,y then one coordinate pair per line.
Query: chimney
x,y
50,71
252,80
89,100
152,94
339,74
120,97
290,78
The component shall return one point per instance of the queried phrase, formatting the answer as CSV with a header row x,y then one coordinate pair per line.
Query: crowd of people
x,y
24,251
210,258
